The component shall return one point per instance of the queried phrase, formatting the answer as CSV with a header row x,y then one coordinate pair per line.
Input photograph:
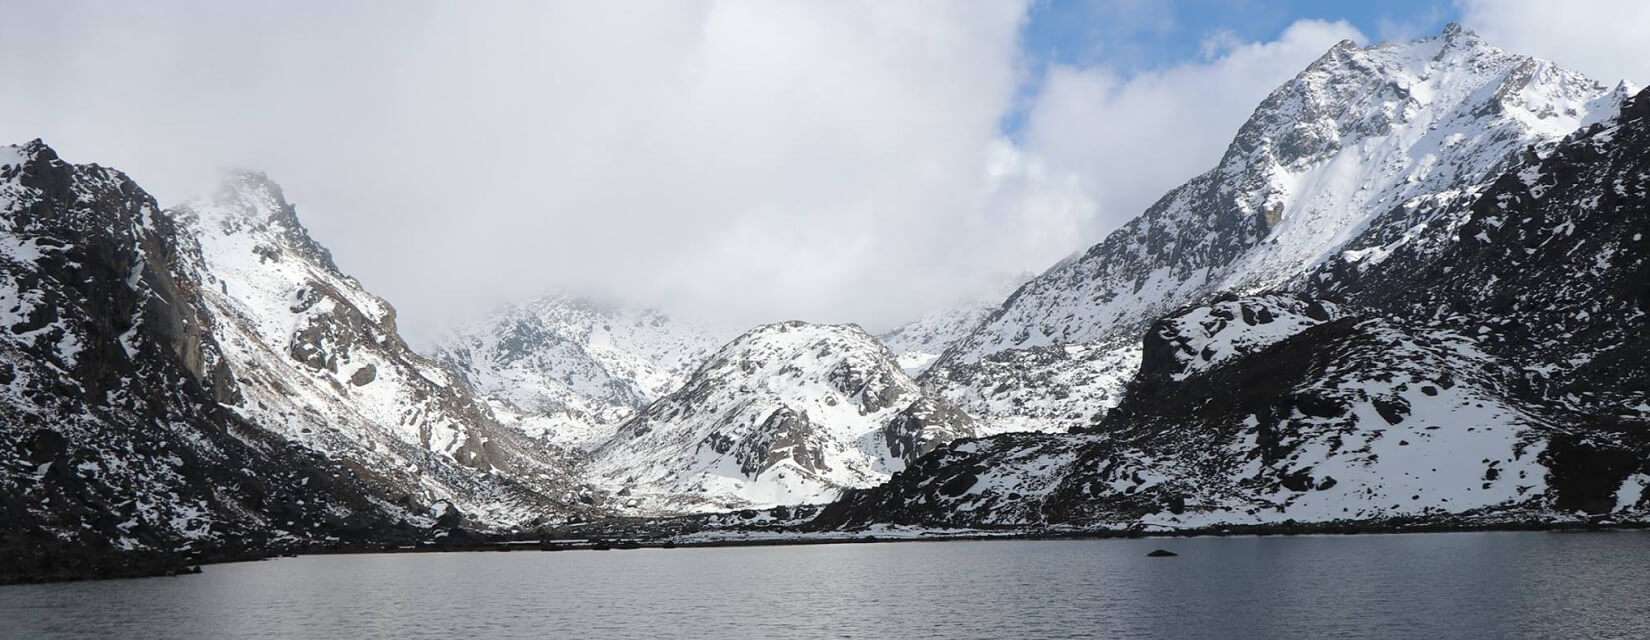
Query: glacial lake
x,y
1461,585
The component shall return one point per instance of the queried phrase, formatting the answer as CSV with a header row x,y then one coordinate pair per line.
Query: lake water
x,y
1465,585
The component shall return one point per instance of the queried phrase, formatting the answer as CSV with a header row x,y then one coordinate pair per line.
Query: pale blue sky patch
x,y
1127,37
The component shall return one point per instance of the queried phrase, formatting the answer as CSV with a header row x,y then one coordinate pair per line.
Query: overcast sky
x,y
736,162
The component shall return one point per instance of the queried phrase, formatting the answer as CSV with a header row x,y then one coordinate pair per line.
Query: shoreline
x,y
173,565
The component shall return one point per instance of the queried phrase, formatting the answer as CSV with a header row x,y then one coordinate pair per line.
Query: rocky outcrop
x,y
924,425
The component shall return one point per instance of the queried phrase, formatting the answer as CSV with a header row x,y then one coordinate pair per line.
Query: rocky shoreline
x,y
26,565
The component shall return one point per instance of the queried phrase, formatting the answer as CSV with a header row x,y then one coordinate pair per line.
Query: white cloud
x,y
1132,138
752,161
760,160
1606,39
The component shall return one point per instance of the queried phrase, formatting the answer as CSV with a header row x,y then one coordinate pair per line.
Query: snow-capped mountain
x,y
571,370
1413,289
318,360
1483,365
788,413
1358,133
920,342
113,394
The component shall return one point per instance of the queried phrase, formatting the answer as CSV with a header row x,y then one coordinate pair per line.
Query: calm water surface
x,y
1467,585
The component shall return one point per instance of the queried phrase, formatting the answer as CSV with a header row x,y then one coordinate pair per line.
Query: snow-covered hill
x,y
1358,133
318,360
787,413
571,370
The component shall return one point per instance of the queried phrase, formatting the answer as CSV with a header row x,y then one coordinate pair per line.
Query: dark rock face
x,y
925,425
364,376
112,411
785,436
1202,336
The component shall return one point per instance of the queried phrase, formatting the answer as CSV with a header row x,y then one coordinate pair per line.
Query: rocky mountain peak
x,y
35,156
1354,93
33,150
246,197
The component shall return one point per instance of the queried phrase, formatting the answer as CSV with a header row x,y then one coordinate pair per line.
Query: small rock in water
x,y
1162,553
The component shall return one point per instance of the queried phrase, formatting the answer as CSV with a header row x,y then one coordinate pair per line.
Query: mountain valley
x,y
1415,288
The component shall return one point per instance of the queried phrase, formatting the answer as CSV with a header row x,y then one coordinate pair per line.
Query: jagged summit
x,y
252,195
36,148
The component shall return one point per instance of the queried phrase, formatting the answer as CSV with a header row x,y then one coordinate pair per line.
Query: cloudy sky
x,y
735,162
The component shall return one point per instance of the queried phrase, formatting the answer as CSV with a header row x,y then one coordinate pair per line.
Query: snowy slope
x,y
1053,388
920,342
570,370
319,361
1358,133
787,413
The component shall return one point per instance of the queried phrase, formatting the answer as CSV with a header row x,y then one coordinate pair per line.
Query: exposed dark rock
x,y
363,376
